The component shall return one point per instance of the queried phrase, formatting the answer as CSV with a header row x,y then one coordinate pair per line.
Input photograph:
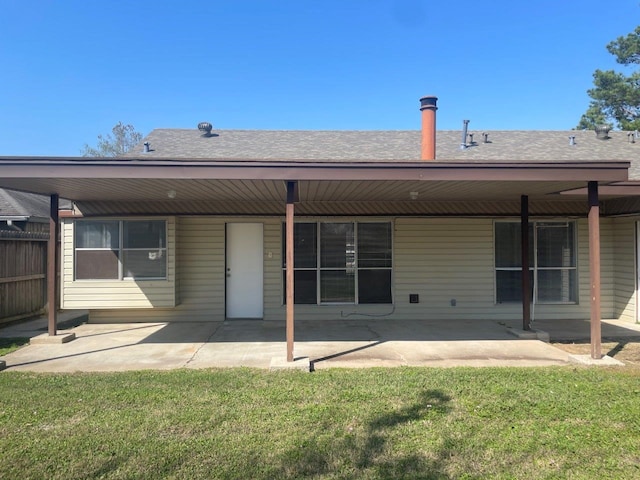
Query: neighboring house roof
x,y
25,206
502,146
22,205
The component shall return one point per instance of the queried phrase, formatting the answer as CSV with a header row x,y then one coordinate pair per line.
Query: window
x,y
340,263
552,262
113,249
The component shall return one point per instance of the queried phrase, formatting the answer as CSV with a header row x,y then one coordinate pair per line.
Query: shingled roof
x,y
25,205
19,204
401,145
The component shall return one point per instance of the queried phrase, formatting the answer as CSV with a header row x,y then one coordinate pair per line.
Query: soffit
x,y
81,179
127,189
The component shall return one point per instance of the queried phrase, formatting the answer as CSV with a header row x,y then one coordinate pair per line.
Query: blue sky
x,y
71,69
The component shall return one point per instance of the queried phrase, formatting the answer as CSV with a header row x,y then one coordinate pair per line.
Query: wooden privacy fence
x,y
23,267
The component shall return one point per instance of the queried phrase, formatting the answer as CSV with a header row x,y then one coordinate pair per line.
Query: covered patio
x,y
144,187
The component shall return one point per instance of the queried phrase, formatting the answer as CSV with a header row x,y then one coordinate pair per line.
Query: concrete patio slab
x,y
32,327
580,330
46,339
604,361
255,343
299,363
529,334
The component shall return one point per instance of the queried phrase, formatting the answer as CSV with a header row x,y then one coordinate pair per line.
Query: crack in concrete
x,y
203,344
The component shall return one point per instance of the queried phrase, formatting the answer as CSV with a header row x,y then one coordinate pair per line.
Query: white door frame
x,y
637,262
244,270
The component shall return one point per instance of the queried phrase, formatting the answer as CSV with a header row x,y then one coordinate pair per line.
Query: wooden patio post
x,y
52,266
594,269
291,198
524,247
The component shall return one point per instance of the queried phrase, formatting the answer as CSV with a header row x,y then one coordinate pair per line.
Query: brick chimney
x,y
428,109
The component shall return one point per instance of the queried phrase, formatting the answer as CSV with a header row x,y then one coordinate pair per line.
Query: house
x,y
207,225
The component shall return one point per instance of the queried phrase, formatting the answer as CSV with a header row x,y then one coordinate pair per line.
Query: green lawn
x,y
377,423
8,345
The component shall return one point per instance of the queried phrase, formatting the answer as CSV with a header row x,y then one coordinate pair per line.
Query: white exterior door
x,y
244,270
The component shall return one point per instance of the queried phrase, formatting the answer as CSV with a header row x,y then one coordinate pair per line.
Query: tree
x,y
122,139
616,96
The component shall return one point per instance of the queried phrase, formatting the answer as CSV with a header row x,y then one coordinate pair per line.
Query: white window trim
x,y
356,267
535,267
120,250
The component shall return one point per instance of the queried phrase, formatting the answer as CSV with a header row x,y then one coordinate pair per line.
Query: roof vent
x,y
572,140
631,137
602,132
205,128
147,147
485,138
465,126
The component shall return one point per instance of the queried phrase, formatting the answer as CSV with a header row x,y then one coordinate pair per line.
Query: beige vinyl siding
x,y
273,293
452,259
200,248
625,269
439,259
443,260
126,293
606,269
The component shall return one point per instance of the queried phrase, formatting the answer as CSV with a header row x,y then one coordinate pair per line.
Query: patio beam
x,y
232,169
52,266
524,248
594,270
292,191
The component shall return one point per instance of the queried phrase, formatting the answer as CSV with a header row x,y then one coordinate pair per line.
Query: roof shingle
x,y
342,145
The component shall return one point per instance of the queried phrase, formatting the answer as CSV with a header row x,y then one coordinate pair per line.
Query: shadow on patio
x,y
331,331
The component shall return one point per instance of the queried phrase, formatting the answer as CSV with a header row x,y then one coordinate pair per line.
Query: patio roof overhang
x,y
283,183
131,180
613,190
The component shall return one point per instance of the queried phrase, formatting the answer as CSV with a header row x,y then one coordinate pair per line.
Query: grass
x,y
8,345
416,423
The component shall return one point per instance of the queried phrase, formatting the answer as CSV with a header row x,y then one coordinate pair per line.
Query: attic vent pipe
x,y
147,148
572,140
485,138
465,127
631,137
